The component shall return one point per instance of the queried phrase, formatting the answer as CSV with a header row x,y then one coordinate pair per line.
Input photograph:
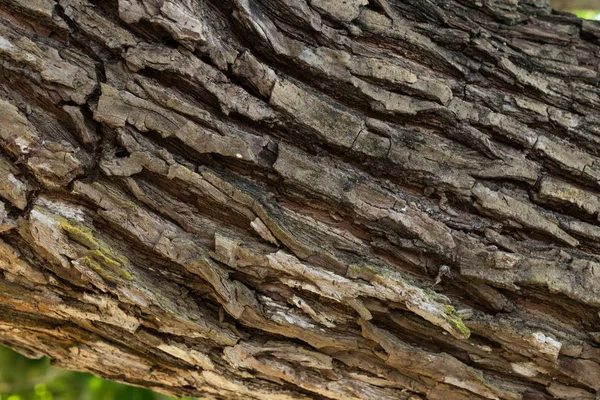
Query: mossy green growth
x,y
92,264
125,274
100,258
107,266
103,271
80,234
456,321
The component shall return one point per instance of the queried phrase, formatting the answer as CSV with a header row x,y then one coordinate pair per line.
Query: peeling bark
x,y
290,199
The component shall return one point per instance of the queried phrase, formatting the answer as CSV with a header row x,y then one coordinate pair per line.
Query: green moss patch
x,y
456,321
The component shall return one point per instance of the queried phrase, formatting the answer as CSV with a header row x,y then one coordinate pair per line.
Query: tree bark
x,y
290,199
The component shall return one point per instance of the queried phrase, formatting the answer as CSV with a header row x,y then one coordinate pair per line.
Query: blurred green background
x,y
25,379
587,14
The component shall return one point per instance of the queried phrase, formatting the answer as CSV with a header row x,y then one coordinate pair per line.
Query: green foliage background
x,y
586,14
25,379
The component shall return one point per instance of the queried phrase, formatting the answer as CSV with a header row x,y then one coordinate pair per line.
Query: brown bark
x,y
290,199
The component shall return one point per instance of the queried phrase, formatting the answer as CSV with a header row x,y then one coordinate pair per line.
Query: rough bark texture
x,y
303,199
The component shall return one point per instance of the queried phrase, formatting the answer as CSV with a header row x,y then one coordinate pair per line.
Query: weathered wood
x,y
290,199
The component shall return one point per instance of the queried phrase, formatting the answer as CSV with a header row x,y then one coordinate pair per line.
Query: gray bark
x,y
290,199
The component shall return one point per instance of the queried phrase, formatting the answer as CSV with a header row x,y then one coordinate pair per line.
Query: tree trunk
x,y
303,199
